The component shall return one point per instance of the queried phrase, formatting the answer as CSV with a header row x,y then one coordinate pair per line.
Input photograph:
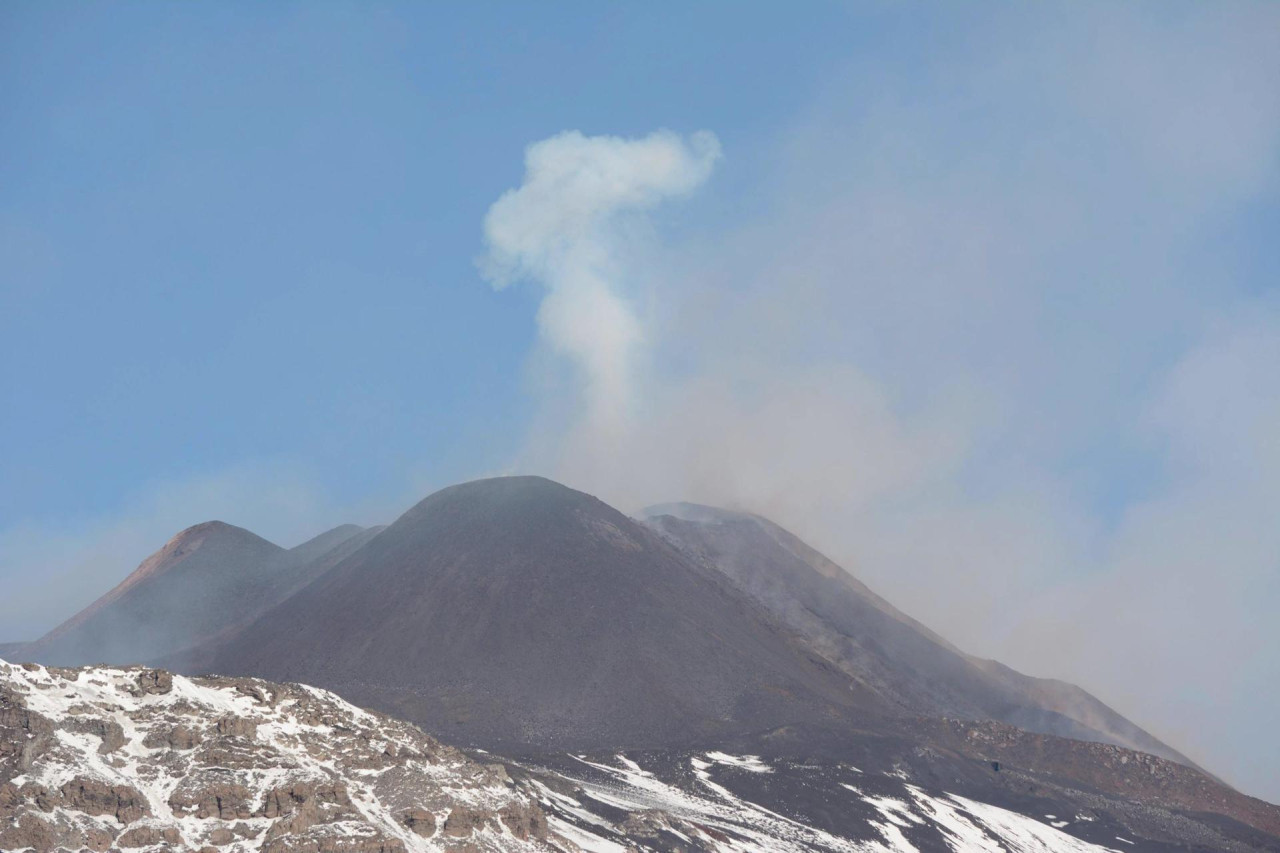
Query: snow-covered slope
x,y
711,801
104,758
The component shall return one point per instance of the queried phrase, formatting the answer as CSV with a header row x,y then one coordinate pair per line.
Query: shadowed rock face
x,y
206,578
903,662
517,610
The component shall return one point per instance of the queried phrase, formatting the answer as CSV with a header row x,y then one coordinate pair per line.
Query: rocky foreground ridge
x,y
134,759
103,759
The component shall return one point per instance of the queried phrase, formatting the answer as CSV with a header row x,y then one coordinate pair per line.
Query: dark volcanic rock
x,y
154,681
516,610
149,836
173,598
95,797
773,700
211,794
419,821
464,821
906,664
110,732
524,821
207,579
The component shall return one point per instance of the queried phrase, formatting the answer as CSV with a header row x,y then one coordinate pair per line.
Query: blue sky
x,y
982,301
273,210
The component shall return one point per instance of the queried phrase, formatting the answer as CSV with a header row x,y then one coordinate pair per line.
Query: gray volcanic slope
x,y
902,661
206,578
519,611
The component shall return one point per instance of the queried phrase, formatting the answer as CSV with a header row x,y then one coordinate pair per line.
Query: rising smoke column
x,y
563,227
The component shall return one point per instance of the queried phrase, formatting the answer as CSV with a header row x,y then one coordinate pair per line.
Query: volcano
x,y
695,665
518,611
206,580
908,666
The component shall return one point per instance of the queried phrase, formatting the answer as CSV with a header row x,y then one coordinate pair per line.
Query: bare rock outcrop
x,y
127,759
149,836
95,797
464,821
156,682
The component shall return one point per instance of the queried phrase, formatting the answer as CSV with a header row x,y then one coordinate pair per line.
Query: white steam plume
x,y
999,339
563,228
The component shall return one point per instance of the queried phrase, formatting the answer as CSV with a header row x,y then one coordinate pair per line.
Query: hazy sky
x,y
983,300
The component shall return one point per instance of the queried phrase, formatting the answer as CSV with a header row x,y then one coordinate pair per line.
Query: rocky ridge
x,y
205,581
515,611
128,759
140,759
99,758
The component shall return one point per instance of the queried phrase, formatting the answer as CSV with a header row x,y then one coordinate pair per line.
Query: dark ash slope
x,y
519,611
206,579
903,662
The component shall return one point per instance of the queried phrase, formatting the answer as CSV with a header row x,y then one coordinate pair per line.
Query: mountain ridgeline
x,y
203,583
516,611
521,616
901,661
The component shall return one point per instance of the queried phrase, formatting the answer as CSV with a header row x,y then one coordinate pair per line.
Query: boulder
x,y
110,732
149,836
153,681
209,795
525,820
418,821
465,820
95,797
